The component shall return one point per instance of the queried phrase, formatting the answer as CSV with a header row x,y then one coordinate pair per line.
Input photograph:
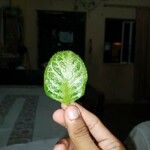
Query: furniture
x,y
139,137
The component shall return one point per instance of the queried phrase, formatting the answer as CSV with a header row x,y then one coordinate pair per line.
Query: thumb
x,y
78,130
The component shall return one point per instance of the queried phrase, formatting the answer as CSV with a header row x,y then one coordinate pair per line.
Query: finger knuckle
x,y
93,124
80,132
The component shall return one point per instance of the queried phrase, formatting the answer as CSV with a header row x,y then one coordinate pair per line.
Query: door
x,y
60,31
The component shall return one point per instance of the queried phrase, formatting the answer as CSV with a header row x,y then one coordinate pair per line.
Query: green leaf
x,y
65,77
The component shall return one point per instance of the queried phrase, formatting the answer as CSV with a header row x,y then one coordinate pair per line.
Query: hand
x,y
85,130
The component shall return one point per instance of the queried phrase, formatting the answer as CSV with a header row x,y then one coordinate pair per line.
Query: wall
x,y
4,3
115,80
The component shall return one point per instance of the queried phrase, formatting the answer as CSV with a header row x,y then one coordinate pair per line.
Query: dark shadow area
x,y
21,77
121,118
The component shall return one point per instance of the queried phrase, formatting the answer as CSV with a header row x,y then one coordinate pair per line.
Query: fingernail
x,y
72,112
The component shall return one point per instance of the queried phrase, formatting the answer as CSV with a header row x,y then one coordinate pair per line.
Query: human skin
x,y
65,80
85,130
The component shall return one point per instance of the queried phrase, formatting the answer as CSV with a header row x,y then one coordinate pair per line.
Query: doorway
x,y
60,31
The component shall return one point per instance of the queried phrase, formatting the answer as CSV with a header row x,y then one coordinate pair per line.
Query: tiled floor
x,y
26,115
119,118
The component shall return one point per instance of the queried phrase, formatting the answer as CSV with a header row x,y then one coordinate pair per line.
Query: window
x,y
119,41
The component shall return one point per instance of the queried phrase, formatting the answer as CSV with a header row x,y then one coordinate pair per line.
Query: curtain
x,y
142,55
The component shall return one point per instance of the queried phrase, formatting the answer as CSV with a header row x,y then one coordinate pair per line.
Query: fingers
x,y
104,138
58,116
77,129
63,144
110,144
60,147
95,126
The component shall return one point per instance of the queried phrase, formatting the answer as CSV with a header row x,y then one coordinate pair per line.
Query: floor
x,y
19,104
26,115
